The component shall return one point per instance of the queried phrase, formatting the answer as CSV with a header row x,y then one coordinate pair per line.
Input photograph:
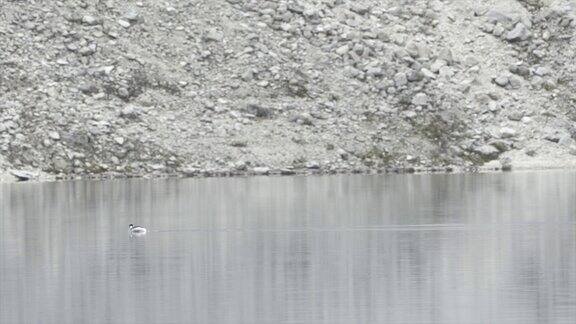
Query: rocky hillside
x,y
154,87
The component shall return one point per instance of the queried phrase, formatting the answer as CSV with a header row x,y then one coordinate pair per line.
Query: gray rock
x,y
489,28
131,15
261,170
420,99
553,137
296,8
119,140
54,136
495,16
566,140
502,80
506,164
240,166
88,50
360,9
302,119
213,35
471,60
418,50
428,74
487,152
531,151
436,66
410,114
516,82
190,171
501,145
130,112
258,110
446,55
61,164
542,71
507,132
516,115
498,30
123,93
550,85
520,32
342,154
88,88
374,71
521,70
415,76
156,166
342,50
22,175
124,23
400,79
446,72
312,165
209,104
90,20
359,49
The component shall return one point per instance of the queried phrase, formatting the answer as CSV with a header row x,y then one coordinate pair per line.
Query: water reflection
x,y
361,249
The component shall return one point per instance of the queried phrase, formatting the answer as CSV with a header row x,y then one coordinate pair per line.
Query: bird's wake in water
x,y
391,228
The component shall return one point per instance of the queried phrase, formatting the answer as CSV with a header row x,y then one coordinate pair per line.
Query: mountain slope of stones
x,y
155,87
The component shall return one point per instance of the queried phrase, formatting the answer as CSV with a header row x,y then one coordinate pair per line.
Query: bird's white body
x,y
137,230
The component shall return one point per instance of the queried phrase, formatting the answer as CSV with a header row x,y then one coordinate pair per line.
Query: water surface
x,y
484,248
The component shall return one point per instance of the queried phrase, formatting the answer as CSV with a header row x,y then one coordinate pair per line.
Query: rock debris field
x,y
108,88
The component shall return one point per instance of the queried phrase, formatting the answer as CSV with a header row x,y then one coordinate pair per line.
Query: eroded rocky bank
x,y
215,87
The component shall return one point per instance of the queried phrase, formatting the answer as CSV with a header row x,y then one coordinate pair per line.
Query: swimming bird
x,y
137,230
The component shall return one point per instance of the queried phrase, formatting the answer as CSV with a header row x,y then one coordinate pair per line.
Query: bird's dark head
x,y
130,226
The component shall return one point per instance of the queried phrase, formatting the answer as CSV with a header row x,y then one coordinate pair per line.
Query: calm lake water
x,y
484,248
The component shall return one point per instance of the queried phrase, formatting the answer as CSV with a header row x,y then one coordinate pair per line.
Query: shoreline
x,y
7,178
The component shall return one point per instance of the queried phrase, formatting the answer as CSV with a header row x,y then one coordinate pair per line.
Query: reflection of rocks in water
x,y
361,249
